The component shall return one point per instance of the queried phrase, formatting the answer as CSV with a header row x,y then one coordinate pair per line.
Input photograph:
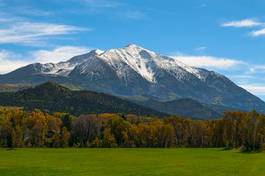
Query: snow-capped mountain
x,y
134,71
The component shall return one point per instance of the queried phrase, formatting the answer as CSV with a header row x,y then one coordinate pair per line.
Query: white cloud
x,y
18,31
247,75
208,61
258,33
257,69
58,54
9,61
255,89
248,23
242,23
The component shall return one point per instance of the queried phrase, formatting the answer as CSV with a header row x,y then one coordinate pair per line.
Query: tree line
x,y
20,128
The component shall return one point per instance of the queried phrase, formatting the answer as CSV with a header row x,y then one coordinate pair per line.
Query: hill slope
x,y
182,107
54,98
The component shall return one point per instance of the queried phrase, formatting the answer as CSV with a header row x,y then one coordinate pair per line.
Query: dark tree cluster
x,y
19,128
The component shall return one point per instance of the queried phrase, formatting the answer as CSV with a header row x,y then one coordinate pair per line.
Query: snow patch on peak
x,y
97,51
134,46
137,58
197,72
135,49
65,68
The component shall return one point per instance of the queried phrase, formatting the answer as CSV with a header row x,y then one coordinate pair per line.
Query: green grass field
x,y
108,162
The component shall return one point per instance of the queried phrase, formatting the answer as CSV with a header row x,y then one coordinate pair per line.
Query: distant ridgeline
x,y
19,128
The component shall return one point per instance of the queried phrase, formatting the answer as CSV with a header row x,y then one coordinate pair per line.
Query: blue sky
x,y
220,35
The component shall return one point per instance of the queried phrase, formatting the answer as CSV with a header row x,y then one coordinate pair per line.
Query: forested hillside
x,y
52,97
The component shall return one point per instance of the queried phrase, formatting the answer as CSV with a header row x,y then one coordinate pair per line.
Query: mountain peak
x,y
132,45
96,51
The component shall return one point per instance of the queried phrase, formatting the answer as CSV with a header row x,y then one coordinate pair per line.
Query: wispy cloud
x,y
10,61
248,23
255,89
58,54
257,69
245,23
18,30
247,75
258,33
210,62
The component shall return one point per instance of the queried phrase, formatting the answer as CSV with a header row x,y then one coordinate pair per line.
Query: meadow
x,y
127,162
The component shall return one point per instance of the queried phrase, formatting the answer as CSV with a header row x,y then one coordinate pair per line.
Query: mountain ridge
x,y
136,71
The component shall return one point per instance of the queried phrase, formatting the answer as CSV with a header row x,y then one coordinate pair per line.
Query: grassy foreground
x,y
107,162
